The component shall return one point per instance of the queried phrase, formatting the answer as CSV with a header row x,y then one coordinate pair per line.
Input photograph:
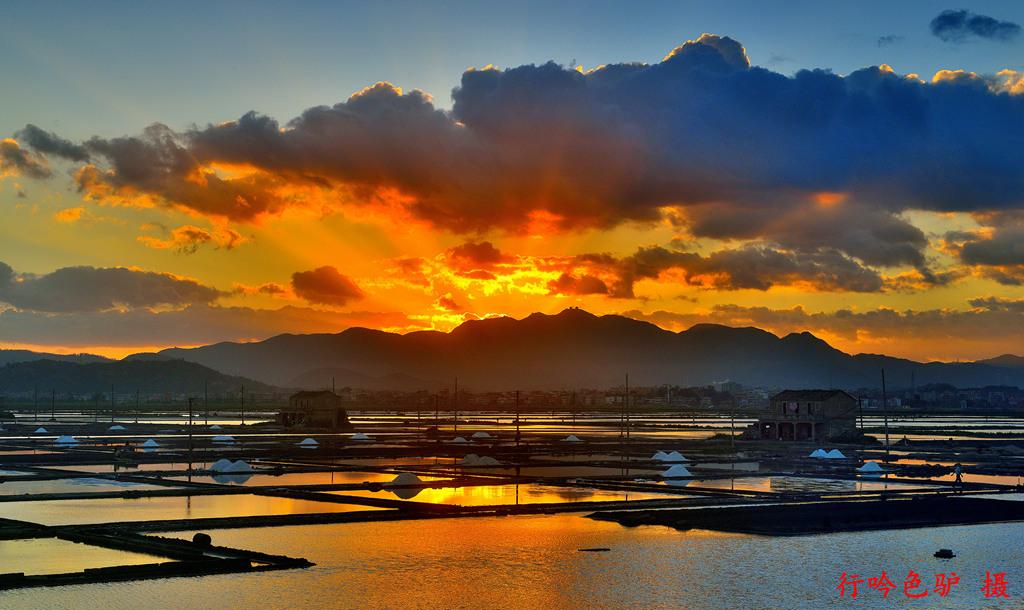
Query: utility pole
x,y
111,403
627,405
35,404
206,401
136,405
53,404
517,418
885,415
456,406
243,405
190,438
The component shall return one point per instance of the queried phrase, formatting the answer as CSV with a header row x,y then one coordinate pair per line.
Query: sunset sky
x,y
177,175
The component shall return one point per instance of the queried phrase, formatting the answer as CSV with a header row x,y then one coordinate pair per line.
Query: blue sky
x,y
111,68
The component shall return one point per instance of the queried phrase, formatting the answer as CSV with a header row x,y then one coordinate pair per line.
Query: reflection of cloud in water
x,y
796,484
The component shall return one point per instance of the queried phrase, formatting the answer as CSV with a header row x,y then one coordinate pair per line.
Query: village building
x,y
807,415
314,409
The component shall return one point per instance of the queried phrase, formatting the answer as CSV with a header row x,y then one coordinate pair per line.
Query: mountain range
x,y
576,349
570,350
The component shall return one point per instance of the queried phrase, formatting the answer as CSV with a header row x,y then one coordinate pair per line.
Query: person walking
x,y
958,480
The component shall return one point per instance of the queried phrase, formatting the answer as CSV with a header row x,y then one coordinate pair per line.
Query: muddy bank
x,y
824,517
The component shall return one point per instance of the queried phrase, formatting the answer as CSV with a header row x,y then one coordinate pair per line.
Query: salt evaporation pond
x,y
784,484
82,485
495,495
534,562
52,556
107,510
312,478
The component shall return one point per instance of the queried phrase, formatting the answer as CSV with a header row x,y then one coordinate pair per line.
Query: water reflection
x,y
107,510
53,556
495,495
534,562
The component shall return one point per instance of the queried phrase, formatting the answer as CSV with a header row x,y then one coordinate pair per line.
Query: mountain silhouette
x,y
576,349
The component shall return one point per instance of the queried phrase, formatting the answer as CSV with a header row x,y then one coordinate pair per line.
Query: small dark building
x,y
808,415
316,409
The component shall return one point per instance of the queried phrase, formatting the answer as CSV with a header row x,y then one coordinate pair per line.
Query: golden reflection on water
x,y
108,510
493,495
53,556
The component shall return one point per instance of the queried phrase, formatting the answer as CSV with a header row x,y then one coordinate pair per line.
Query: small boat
x,y
944,553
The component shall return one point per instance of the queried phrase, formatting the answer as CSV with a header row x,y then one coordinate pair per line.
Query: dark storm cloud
x,y
746,268
325,286
997,254
960,25
90,289
728,146
14,160
48,142
570,285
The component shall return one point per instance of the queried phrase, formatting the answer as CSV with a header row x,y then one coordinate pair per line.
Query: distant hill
x,y
8,356
576,349
126,376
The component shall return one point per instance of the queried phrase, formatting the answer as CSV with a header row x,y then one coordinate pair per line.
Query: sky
x,y
176,175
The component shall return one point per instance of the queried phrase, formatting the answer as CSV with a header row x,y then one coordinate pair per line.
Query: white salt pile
x,y
675,456
487,461
359,436
481,435
818,453
66,440
40,431
223,438
571,438
214,427
309,443
677,471
117,427
406,478
469,460
226,465
659,456
871,466
150,443
458,439
835,454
